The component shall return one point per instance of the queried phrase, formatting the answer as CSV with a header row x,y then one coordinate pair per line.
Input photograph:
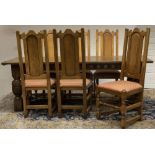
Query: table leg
x,y
16,88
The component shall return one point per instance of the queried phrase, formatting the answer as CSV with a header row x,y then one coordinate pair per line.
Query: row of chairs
x,y
107,46
36,73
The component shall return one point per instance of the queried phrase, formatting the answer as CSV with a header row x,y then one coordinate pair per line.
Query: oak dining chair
x,y
69,76
50,55
87,49
129,89
51,46
34,74
107,43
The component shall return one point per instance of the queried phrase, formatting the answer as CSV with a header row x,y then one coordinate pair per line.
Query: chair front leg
x,y
123,112
98,113
25,102
59,102
91,92
49,103
84,110
140,110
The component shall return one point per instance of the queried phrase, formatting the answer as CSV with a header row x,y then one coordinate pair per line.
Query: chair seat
x,y
120,86
73,83
107,74
37,83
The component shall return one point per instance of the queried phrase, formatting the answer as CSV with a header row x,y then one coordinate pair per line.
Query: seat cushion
x,y
120,86
37,83
73,82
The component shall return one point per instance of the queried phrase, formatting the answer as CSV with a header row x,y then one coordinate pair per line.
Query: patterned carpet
x,y
39,119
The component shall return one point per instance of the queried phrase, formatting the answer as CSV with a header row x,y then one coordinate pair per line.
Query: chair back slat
x,y
135,54
117,43
50,45
34,51
106,43
69,53
87,34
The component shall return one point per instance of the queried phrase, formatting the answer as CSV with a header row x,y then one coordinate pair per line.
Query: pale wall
x,y
150,74
8,49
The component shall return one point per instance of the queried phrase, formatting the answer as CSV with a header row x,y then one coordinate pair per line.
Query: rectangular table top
x,y
91,59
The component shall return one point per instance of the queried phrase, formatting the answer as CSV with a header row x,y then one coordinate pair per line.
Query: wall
x,y
150,74
8,49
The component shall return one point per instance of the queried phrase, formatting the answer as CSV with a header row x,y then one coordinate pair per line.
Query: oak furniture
x,y
34,75
106,46
51,46
129,91
87,49
70,76
92,63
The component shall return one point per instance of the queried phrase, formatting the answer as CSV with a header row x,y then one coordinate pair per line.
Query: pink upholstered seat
x,y
37,83
120,86
73,82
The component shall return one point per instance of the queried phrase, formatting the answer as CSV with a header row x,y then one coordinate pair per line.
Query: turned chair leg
x,y
96,82
91,92
84,110
49,103
123,112
98,113
59,103
140,110
25,102
94,88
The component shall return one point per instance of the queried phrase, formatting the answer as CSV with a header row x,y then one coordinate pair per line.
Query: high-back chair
x,y
107,43
130,91
87,49
87,45
69,76
35,75
106,47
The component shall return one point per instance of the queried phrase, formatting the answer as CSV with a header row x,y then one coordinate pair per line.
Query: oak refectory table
x,y
92,63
